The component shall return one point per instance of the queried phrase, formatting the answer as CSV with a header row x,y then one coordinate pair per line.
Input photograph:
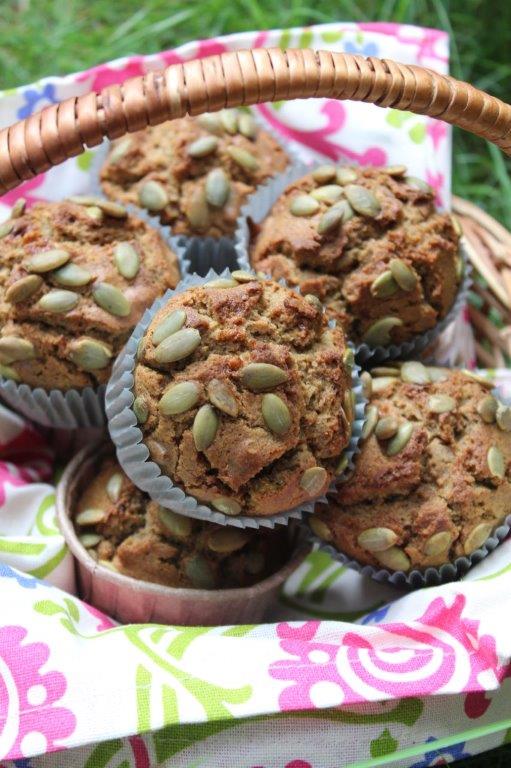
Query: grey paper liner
x,y
76,408
133,455
257,208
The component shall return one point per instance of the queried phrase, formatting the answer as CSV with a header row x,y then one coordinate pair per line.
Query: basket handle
x,y
232,79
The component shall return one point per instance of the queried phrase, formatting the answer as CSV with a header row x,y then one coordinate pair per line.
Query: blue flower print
x,y
377,615
440,757
32,98
364,49
28,582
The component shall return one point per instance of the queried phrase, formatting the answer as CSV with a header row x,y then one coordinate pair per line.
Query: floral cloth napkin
x,y
349,672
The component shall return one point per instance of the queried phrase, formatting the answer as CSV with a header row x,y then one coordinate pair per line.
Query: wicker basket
x,y
247,77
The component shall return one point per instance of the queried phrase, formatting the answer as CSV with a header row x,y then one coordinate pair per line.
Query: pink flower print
x,y
30,723
204,48
292,764
436,182
104,621
104,74
437,131
24,190
426,44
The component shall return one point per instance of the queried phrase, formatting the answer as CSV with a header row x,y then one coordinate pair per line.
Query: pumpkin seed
x,y
479,379
141,410
227,540
381,383
119,149
345,207
367,384
384,370
487,409
419,184
342,464
227,505
18,209
441,403
438,544
46,261
394,559
23,288
260,376
460,268
221,282
496,462
58,301
386,428
276,414
395,170
400,439
71,275
126,260
320,528
113,487
197,212
199,573
438,374
404,275
90,517
247,126
313,480
414,372
210,122
329,193
89,540
362,200
348,358
115,210
6,372
324,173
111,299
377,539
477,537
177,525
241,276
304,205
177,346
384,285
378,334
229,120
87,200
218,187
179,398
203,147
5,228
243,158
108,565
222,398
140,349
169,325
504,418
346,175
456,225
89,354
152,196
95,213
314,301
13,349
205,426
330,220
370,422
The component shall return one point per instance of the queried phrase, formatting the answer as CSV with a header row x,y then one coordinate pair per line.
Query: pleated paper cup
x,y
133,455
130,600
258,207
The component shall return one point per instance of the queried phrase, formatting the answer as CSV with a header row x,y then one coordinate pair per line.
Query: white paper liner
x,y
77,408
133,455
257,208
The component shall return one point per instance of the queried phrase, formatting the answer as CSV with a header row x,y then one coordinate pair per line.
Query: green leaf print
x,y
331,37
47,607
385,744
173,739
39,524
84,161
305,40
103,753
417,133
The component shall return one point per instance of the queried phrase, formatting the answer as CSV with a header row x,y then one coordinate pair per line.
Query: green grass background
x,y
44,37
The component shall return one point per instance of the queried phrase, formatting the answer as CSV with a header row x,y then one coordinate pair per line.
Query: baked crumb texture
x,y
433,479
255,414
369,243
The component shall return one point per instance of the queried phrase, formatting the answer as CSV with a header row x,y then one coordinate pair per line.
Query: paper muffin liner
x,y
257,208
133,455
77,408
130,600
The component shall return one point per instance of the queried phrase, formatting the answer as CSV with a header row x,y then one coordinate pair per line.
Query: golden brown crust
x,y
90,243
341,265
160,154
256,322
134,538
444,480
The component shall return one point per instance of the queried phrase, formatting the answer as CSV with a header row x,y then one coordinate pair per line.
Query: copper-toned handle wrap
x,y
242,77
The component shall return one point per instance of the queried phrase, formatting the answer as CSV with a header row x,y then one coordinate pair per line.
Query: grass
x,y
42,37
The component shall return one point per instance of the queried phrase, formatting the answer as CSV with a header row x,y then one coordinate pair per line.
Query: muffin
x,y
194,172
243,394
370,244
75,278
125,531
433,478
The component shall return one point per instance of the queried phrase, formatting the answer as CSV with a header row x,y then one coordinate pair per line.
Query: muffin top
x,y
370,244
242,391
433,478
195,172
127,532
75,278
